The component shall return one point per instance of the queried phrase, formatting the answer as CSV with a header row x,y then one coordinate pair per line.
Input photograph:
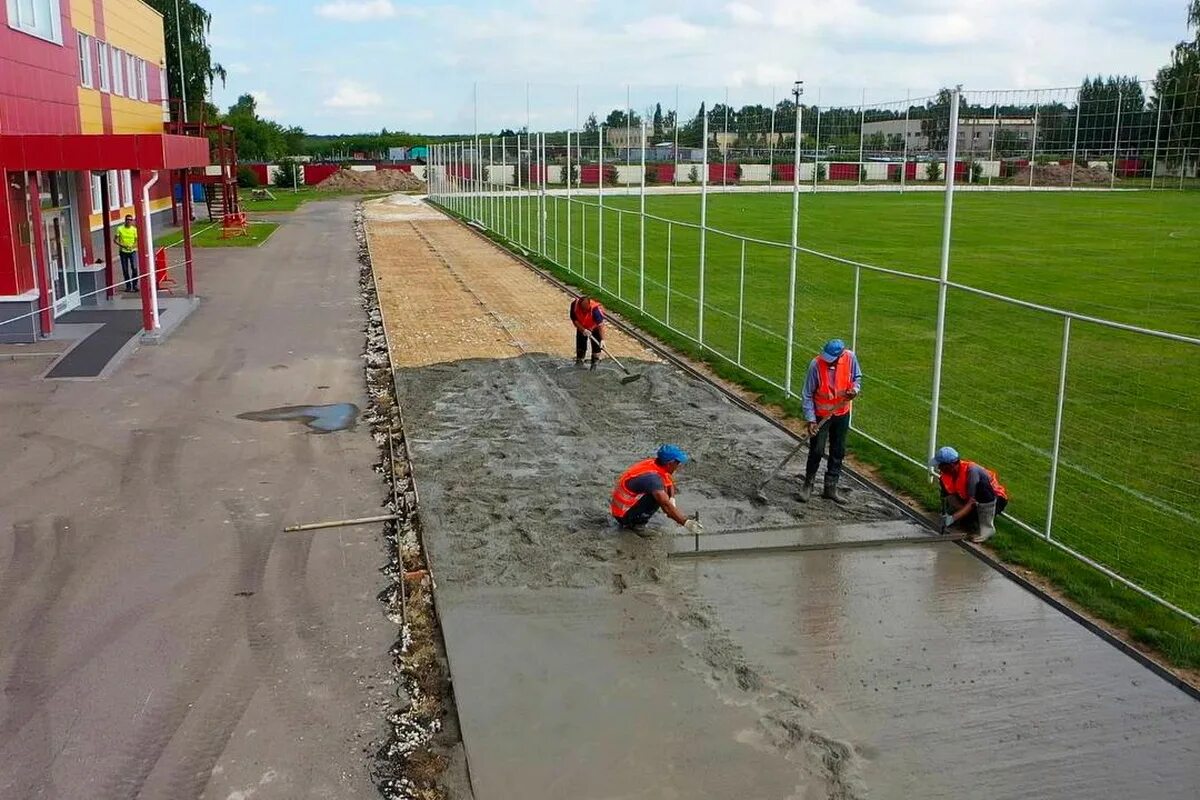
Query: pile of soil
x,y
1060,175
381,180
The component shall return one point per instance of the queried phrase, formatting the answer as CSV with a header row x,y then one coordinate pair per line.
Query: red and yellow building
x,y
82,144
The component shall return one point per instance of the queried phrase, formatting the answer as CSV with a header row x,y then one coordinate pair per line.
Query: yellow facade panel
x,y
134,116
157,204
83,16
91,115
136,28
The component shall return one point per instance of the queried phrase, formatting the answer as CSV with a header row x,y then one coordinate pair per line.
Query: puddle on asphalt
x,y
319,419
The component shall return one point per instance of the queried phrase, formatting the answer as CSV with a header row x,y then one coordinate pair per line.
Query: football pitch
x,y
1127,485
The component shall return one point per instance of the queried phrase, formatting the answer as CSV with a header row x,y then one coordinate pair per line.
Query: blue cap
x,y
833,348
944,455
668,453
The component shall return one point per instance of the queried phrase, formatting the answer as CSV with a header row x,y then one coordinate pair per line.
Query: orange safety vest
x,y
956,483
827,398
623,498
583,316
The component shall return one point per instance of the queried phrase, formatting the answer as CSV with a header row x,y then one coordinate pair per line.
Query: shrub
x,y
933,171
976,171
737,172
862,173
288,174
651,174
574,174
694,175
820,171
247,178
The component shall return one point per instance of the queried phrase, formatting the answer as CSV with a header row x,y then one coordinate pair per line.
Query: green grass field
x,y
1128,480
287,200
209,235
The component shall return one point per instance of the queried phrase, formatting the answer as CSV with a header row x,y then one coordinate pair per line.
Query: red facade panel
x,y
722,173
843,172
39,80
315,173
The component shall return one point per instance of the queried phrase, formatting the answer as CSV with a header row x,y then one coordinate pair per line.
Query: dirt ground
x,y
380,180
575,646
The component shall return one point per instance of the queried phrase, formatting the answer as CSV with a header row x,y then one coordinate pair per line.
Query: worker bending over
x,y
969,493
833,380
648,486
588,317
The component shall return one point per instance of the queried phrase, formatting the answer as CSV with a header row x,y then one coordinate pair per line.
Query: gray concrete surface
x,y
160,636
586,665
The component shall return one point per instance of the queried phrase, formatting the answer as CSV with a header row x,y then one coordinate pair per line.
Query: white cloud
x,y
265,104
237,68
665,27
357,10
352,96
744,14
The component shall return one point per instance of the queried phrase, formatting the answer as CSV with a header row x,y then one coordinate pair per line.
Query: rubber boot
x,y
579,362
987,521
595,361
831,493
805,489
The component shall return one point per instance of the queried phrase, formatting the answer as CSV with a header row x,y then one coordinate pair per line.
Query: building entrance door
x,y
62,243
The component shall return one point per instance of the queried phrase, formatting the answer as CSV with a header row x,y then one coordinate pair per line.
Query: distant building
x,y
975,135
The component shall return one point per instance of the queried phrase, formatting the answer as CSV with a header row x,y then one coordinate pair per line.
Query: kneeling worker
x,y
588,318
646,487
969,491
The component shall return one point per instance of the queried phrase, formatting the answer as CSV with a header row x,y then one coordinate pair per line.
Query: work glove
x,y
947,520
693,526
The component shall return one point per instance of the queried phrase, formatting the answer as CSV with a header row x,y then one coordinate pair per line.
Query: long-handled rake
x,y
630,377
760,494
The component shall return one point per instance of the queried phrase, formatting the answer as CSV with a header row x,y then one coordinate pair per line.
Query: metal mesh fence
x,y
980,250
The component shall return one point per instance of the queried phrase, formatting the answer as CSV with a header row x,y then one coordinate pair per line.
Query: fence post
x,y
1058,416
816,145
544,176
583,240
670,227
491,182
1033,142
620,251
569,237
771,145
944,272
642,229
791,320
862,136
520,208
1075,141
600,209
995,130
703,232
675,149
854,317
504,186
475,143
1157,129
741,299
725,146
1112,173
628,132
904,157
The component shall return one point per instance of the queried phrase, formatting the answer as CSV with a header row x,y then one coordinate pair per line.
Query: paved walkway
x,y
587,665
160,636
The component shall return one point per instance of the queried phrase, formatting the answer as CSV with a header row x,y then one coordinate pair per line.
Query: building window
x,y
41,18
85,60
118,69
126,188
102,60
131,81
143,83
114,191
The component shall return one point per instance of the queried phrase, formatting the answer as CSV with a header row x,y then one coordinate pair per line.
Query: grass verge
x,y
287,200
210,236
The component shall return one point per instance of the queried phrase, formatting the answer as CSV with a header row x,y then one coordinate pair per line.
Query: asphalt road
x,y
160,636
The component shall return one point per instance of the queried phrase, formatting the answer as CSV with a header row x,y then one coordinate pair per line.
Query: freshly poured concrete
x,y
588,666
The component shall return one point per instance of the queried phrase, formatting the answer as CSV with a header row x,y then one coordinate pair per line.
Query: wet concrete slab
x,y
950,680
580,694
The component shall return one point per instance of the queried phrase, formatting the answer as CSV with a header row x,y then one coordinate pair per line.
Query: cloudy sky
x,y
347,65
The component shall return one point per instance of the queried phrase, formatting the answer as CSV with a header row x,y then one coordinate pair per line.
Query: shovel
x,y
759,494
630,377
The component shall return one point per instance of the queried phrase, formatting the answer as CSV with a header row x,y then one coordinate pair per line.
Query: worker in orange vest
x,y
588,317
648,486
834,379
970,493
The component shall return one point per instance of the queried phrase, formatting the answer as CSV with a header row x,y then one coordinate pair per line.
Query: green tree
x,y
935,125
658,121
199,70
1177,90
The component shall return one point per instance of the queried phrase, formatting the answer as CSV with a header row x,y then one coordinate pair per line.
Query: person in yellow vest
x,y
648,486
126,238
833,380
970,493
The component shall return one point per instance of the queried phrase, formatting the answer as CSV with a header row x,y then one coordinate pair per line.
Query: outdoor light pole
x,y
182,80
797,91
